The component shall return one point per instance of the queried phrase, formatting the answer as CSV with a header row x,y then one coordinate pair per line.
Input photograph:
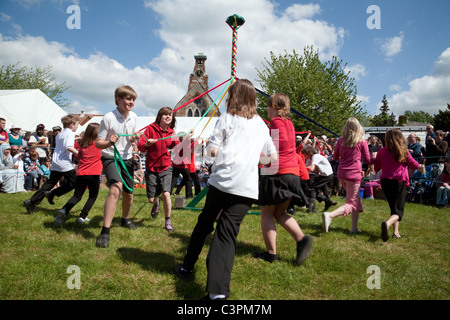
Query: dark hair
x,y
165,111
309,150
89,135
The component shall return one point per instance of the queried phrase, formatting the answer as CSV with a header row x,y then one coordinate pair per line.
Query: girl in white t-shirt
x,y
238,139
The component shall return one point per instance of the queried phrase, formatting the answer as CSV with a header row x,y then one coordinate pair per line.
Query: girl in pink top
x,y
351,147
394,161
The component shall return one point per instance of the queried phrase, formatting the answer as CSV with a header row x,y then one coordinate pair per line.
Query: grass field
x,y
35,257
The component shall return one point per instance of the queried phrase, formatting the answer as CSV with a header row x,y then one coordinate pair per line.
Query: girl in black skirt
x,y
281,184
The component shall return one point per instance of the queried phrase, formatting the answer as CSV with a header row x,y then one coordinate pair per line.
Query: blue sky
x,y
151,44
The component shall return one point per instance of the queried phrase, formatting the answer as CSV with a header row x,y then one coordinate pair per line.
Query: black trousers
x,y
320,183
395,193
221,254
67,186
83,182
185,182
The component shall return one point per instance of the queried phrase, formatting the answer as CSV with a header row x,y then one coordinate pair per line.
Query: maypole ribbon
x,y
199,96
217,107
118,158
235,22
301,115
222,94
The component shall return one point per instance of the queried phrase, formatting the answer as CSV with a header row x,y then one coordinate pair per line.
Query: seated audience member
x,y
371,181
33,171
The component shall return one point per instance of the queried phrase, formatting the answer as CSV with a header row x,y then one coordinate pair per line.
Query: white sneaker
x,y
326,221
80,220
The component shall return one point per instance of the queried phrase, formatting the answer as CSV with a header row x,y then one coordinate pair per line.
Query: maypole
x,y
235,22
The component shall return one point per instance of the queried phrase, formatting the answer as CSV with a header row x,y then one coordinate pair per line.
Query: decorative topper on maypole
x,y
235,22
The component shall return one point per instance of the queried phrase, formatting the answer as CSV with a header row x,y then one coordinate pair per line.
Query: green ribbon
x,y
118,156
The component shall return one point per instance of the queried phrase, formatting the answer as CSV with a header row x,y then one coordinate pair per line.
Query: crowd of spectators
x,y
25,157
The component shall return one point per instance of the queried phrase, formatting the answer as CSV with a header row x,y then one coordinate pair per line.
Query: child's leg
x,y
352,201
268,228
396,196
205,225
221,254
94,186
68,185
47,186
115,190
80,187
287,222
127,203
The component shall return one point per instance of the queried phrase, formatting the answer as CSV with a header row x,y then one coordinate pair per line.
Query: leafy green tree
x,y
441,120
322,91
418,116
14,77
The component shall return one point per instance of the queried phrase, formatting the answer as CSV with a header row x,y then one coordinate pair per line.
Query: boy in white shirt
x,y
321,177
62,166
122,120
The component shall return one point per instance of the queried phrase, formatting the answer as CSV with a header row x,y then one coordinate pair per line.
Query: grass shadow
x,y
161,263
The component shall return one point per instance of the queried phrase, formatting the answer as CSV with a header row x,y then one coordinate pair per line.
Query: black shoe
x,y
30,207
155,208
60,218
291,211
328,204
127,223
102,241
266,256
182,273
49,195
312,206
303,249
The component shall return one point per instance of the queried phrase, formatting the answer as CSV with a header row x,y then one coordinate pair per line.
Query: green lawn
x,y
138,264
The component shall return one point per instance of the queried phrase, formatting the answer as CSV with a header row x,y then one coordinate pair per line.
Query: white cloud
x,y
429,93
299,11
164,80
391,46
395,87
4,17
356,71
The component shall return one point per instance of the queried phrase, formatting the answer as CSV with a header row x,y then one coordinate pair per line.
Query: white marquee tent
x,y
28,108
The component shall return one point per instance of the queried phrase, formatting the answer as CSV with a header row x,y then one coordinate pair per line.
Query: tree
x,y
321,91
441,120
418,116
15,77
383,119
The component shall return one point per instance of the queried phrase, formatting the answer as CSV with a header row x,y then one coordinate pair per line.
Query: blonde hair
x,y
422,168
241,100
281,103
396,144
353,133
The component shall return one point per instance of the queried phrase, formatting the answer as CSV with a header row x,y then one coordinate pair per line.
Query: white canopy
x,y
28,108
